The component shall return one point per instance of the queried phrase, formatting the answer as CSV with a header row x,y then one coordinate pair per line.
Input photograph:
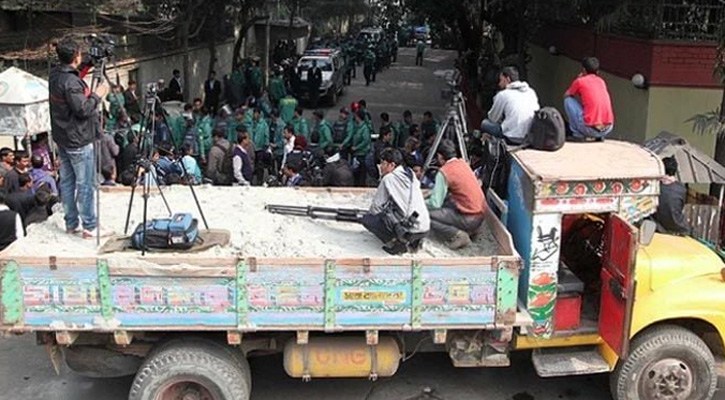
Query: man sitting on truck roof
x,y
669,216
513,108
457,204
397,216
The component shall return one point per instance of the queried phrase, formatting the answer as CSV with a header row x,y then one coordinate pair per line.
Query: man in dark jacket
x,y
212,91
337,172
75,123
176,87
669,216
11,226
133,108
314,80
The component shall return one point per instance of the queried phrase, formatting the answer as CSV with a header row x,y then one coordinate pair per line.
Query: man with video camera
x,y
75,124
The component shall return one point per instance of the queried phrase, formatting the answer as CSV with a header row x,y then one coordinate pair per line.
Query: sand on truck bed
x,y
254,231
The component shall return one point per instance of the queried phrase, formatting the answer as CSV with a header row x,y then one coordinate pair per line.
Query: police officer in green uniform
x,y
369,66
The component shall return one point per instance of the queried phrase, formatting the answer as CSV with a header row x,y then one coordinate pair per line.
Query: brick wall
x,y
663,63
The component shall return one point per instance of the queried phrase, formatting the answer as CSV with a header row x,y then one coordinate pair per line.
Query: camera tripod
x,y
453,128
143,166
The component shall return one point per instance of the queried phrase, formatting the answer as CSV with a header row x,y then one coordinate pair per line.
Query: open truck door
x,y
618,259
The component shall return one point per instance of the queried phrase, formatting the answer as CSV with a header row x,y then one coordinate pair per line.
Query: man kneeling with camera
x,y
398,215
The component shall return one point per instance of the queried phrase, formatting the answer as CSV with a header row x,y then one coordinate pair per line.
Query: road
x,y
26,373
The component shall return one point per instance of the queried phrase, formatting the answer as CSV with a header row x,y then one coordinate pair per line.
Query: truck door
x,y
615,312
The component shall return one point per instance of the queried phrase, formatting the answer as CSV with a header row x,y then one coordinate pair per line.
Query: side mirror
x,y
647,232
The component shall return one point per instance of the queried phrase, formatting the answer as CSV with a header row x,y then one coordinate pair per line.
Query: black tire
x,y
222,371
333,97
663,352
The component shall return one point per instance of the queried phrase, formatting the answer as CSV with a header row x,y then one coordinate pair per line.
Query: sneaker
x,y
459,240
73,231
91,234
415,246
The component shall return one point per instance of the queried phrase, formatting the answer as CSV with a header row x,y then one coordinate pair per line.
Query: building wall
x,y
639,114
151,69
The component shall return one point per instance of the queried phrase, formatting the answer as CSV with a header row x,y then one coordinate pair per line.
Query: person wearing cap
x,y
277,90
457,204
300,124
342,128
369,66
404,129
323,130
255,74
398,215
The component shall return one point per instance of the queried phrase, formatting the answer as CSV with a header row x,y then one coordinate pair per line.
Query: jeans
x,y
419,59
494,129
375,225
77,186
447,222
575,115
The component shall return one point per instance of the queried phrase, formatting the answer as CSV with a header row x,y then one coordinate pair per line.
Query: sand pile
x,y
254,231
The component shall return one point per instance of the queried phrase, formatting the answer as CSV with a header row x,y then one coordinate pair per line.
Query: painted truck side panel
x,y
325,296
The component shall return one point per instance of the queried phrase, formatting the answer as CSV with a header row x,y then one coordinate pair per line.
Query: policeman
x,y
369,66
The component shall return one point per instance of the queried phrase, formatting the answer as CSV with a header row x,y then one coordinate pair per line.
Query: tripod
x,y
143,166
453,128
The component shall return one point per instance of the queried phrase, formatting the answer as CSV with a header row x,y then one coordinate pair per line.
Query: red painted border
x,y
662,62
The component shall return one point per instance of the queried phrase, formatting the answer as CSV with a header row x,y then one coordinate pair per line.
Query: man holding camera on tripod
x,y
75,122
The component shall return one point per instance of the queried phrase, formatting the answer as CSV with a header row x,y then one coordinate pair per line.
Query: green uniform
x,y
301,128
232,124
287,108
420,47
324,130
177,128
277,135
370,59
260,134
403,133
361,139
238,83
256,77
277,90
117,102
205,125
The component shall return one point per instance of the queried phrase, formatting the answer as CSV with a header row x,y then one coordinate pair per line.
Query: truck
x,y
573,281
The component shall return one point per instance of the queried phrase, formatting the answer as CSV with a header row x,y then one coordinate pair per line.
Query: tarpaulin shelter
x,y
24,106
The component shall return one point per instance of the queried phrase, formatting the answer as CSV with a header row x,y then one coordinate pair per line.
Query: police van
x,y
332,64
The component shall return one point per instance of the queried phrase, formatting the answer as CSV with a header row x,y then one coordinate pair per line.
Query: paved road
x,y
26,373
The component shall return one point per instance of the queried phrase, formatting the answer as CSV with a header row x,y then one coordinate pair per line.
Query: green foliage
x,y
708,123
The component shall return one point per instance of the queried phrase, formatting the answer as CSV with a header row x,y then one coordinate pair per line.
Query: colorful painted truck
x,y
573,281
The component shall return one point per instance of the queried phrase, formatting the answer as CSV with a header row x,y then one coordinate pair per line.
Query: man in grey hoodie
x,y
399,189
513,108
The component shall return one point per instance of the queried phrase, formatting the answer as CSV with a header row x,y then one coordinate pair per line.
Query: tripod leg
x,y
161,192
193,194
130,203
146,190
436,143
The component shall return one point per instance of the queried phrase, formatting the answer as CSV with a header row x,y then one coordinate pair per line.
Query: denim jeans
x,y
575,115
494,129
77,185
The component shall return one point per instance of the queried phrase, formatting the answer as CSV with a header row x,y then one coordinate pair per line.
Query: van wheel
x,y
192,369
333,98
666,363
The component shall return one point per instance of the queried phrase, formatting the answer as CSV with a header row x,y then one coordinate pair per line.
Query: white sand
x,y
255,232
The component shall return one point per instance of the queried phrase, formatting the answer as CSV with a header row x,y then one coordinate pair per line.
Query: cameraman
x,y
75,123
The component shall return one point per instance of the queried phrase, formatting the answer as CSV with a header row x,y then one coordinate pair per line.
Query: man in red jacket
x,y
457,204
588,105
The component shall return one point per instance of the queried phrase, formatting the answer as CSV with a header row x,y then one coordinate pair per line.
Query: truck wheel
x,y
191,369
666,363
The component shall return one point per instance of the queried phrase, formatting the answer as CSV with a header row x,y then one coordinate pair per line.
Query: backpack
x,y
178,232
339,132
227,170
548,131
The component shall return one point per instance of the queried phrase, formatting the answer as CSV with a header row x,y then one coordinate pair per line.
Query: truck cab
x,y
603,292
332,64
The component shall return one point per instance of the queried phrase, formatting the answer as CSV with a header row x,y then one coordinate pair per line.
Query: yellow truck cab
x,y
601,292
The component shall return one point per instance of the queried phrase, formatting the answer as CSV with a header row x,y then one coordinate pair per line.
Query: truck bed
x,y
245,294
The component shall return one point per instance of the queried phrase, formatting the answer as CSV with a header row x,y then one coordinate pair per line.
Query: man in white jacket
x,y
513,108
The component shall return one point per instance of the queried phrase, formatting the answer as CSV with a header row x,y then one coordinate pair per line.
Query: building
x,y
668,43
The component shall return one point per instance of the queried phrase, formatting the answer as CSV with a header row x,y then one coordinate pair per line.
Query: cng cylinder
x,y
341,357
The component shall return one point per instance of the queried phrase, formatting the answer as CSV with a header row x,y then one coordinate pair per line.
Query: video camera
x,y
102,47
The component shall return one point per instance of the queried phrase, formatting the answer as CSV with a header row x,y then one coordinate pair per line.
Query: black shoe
x,y
395,248
415,246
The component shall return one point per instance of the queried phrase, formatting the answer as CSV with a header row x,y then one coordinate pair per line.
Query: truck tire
x,y
666,362
192,367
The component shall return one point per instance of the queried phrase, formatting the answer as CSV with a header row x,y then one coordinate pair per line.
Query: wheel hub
x,y
669,379
185,390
